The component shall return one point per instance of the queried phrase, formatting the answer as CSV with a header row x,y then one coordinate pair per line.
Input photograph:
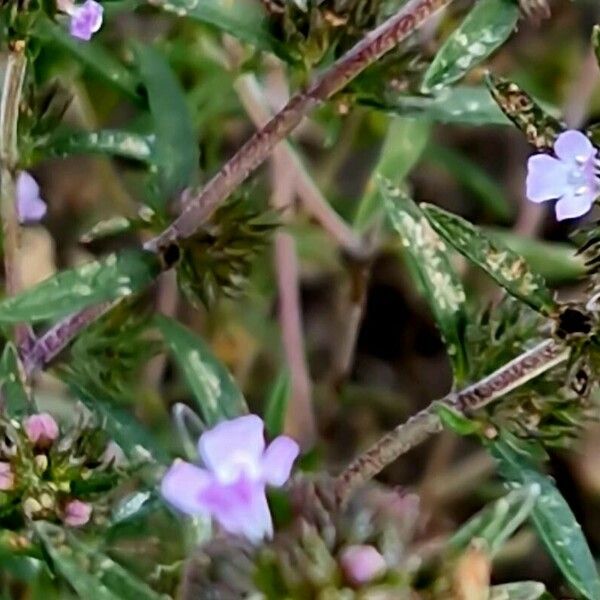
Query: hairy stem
x,y
9,156
426,423
254,152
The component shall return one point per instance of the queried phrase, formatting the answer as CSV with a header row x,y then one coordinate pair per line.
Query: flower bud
x,y
362,564
41,429
77,513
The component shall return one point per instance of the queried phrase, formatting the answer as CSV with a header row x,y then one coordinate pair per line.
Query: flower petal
x,y
30,207
240,508
233,447
572,205
572,145
278,460
182,486
86,20
546,178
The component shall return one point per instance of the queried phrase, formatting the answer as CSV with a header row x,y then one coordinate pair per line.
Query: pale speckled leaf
x,y
430,265
15,401
107,141
554,521
213,387
486,27
107,228
467,105
243,19
507,268
521,590
498,521
91,573
404,143
74,289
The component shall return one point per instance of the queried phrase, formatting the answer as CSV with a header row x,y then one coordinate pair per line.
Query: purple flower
x,y
85,19
41,429
571,176
30,207
77,513
231,487
362,564
7,477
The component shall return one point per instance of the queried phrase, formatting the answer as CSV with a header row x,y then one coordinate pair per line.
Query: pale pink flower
x,y
30,206
86,19
231,487
41,429
77,513
362,564
7,477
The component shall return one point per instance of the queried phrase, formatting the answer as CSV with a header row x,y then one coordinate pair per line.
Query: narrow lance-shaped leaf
x,y
486,27
91,55
74,289
108,141
90,572
14,398
470,105
213,387
176,154
554,521
497,522
404,143
243,19
428,256
276,404
508,269
540,128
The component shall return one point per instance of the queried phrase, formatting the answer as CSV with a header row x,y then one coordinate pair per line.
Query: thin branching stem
x,y
9,156
255,151
426,423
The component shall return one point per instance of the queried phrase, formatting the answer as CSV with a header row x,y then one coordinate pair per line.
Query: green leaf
x,y
596,42
75,289
554,521
15,401
496,523
473,178
507,268
89,54
462,105
486,27
522,590
404,143
276,404
107,141
107,228
214,389
243,19
176,153
91,573
431,267
135,440
540,127
554,261
455,420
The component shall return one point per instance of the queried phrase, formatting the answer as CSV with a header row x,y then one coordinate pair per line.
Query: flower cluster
x,y
46,475
570,176
231,486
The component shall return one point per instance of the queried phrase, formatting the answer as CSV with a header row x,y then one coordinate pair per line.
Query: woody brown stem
x,y
426,423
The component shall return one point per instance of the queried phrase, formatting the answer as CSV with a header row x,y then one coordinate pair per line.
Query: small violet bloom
x,y
362,564
41,429
231,486
7,478
570,177
30,207
86,19
77,513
